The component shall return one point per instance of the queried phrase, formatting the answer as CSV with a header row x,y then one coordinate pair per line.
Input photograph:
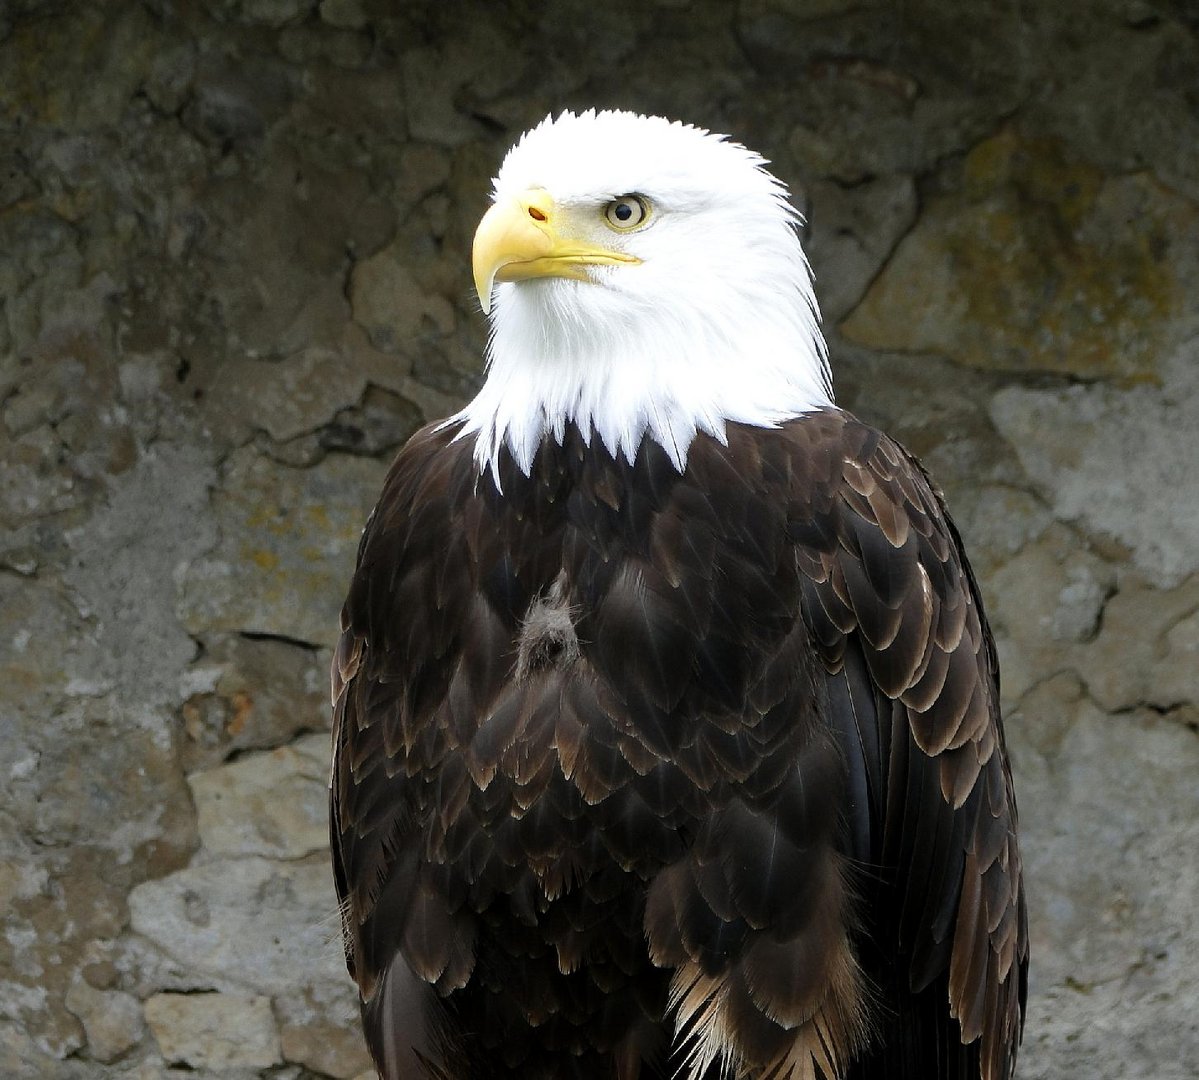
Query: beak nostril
x,y
535,214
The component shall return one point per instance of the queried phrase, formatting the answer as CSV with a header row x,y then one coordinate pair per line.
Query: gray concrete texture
x,y
234,242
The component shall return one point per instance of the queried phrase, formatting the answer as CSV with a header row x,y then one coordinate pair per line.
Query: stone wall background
x,y
234,278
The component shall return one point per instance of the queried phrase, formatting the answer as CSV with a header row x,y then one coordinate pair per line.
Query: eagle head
x,y
643,278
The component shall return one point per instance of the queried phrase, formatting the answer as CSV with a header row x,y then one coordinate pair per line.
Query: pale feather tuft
x,y
819,1045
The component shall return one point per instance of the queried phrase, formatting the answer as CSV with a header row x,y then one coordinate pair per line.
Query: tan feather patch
x,y
817,1046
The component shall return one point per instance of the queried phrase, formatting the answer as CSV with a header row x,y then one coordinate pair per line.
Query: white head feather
x,y
716,323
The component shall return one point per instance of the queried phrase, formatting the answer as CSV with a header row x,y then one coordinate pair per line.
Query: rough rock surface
x,y
1025,264
234,277
214,1031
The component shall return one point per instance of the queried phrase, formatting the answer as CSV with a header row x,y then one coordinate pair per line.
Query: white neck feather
x,y
657,372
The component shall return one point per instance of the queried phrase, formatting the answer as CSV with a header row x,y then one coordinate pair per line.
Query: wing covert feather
x,y
896,616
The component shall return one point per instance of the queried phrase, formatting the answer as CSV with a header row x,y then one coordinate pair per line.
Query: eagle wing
x,y
385,658
913,697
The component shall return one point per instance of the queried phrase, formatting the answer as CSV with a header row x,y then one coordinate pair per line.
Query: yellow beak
x,y
520,238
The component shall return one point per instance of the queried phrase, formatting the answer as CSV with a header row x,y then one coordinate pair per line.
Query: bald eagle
x,y
666,715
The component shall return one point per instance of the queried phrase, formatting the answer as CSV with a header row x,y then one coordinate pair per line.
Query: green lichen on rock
x,y
1029,263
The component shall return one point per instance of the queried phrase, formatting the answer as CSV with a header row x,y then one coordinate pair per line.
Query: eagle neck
x,y
627,374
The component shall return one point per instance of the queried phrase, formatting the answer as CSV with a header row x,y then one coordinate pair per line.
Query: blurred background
x,y
234,244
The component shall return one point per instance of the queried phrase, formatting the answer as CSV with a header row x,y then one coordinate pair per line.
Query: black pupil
x,y
624,211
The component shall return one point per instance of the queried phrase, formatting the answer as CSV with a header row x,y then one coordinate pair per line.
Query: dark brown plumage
x,y
633,763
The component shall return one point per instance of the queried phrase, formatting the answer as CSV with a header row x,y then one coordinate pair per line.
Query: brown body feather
x,y
638,771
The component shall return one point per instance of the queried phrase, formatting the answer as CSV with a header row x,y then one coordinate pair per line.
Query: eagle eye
x,y
626,212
